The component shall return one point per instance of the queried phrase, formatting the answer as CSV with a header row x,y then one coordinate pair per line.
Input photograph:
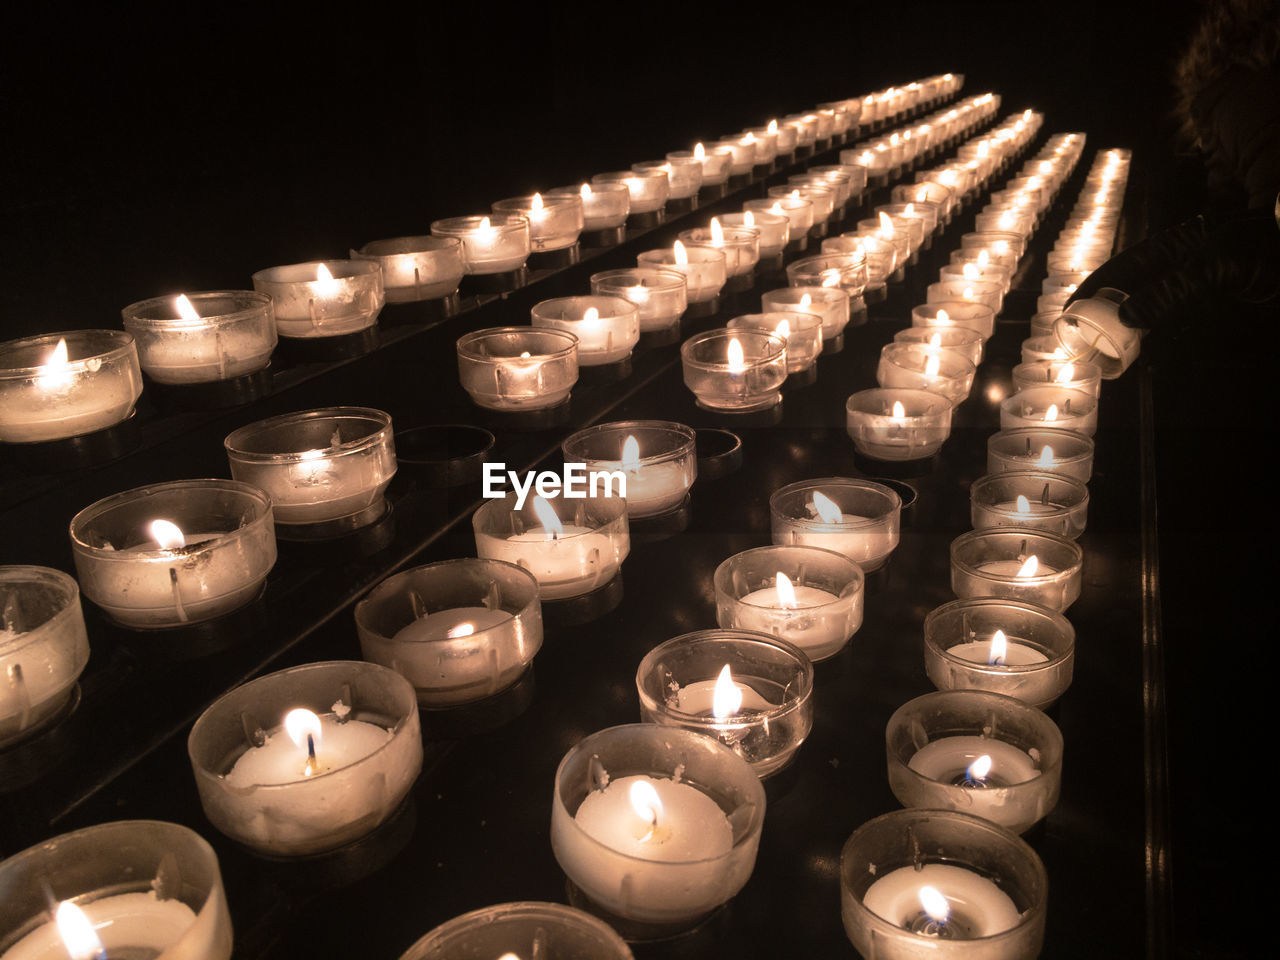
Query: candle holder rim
x,y
777,219
665,279
498,220
737,235
69,599
787,201
1013,432
234,441
1078,487
705,254
856,584
465,342
93,511
836,261
414,244
1027,533
694,740
1092,370
830,294
687,435
255,302
891,351
949,305
971,335
623,306
123,345
967,603
517,909
615,506
799,320
519,203
936,403
608,186
888,492
342,269
1089,401
778,345
621,176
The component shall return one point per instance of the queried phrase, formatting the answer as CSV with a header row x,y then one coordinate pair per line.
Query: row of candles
x,y
335,721
64,385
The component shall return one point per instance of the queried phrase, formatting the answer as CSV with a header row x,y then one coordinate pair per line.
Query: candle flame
x,y
886,225
999,648
909,210
1024,505
486,227
737,359
1066,374
777,208
303,728
536,209
1029,567
167,534
970,271
748,138
630,453
547,517
1051,413
968,293
748,219
699,152
979,769
934,904
983,258
1046,458
1002,247
826,508
717,233
830,278
461,630
185,310
726,699
638,294
899,411
935,340
942,317
681,255
78,935
54,373
591,316
1006,221
806,301
585,191
786,592
794,194
647,805
922,195
783,329
932,364
1060,353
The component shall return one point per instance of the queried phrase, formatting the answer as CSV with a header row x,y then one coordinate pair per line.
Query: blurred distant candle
x,y
605,206
649,190
705,268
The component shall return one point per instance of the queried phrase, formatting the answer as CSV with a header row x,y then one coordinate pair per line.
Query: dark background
x,y
151,150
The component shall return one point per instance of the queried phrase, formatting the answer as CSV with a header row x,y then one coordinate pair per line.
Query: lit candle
x,y
323,298
657,458
123,925
722,698
306,745
705,268
660,296
202,338
416,268
607,328
898,424
518,368
942,901
796,614
804,514
554,221
999,651
497,243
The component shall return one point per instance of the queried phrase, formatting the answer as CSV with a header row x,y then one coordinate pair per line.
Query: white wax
x,y
68,409
692,826
124,923
866,545
821,623
325,488
698,699
652,488
977,905
949,757
573,563
979,651
1010,568
280,760
437,626
203,354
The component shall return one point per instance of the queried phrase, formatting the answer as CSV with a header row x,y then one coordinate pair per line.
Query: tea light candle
x,y
649,191
416,268
857,518
966,904
736,371
567,559
318,466
605,206
1047,451
961,341
684,175
798,211
917,366
829,304
660,296
307,759
174,553
1044,348
1092,328
810,597
999,651
656,824
63,385
898,424
986,292
554,221
657,458
801,331
848,271
822,197
740,245
967,271
522,929
43,647
497,243
705,268
607,328
323,298
203,337
1036,501
715,162
518,368
1055,408
774,229
1019,564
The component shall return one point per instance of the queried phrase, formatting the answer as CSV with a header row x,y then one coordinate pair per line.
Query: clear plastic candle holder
x,y
497,243
889,234
848,271
857,176
801,331
916,366
806,595
829,304
458,630
1031,499
61,385
927,191
936,745
329,466
1082,375
1005,221
733,379
715,162
224,334
659,469
521,929
323,298
797,210
649,191
1004,257
882,256
766,144
684,175
554,222
925,213
763,709
991,889
998,241
743,155
987,292
416,268
607,328
518,368
898,424
571,546
282,803
705,269
821,196
147,888
605,206
660,296
866,529
774,229
840,185
740,246
715,804
1045,348
1055,408
1042,449
43,647
149,575
1093,328
999,563
967,270
962,652
961,341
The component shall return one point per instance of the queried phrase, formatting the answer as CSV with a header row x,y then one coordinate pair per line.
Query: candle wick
x,y
311,755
